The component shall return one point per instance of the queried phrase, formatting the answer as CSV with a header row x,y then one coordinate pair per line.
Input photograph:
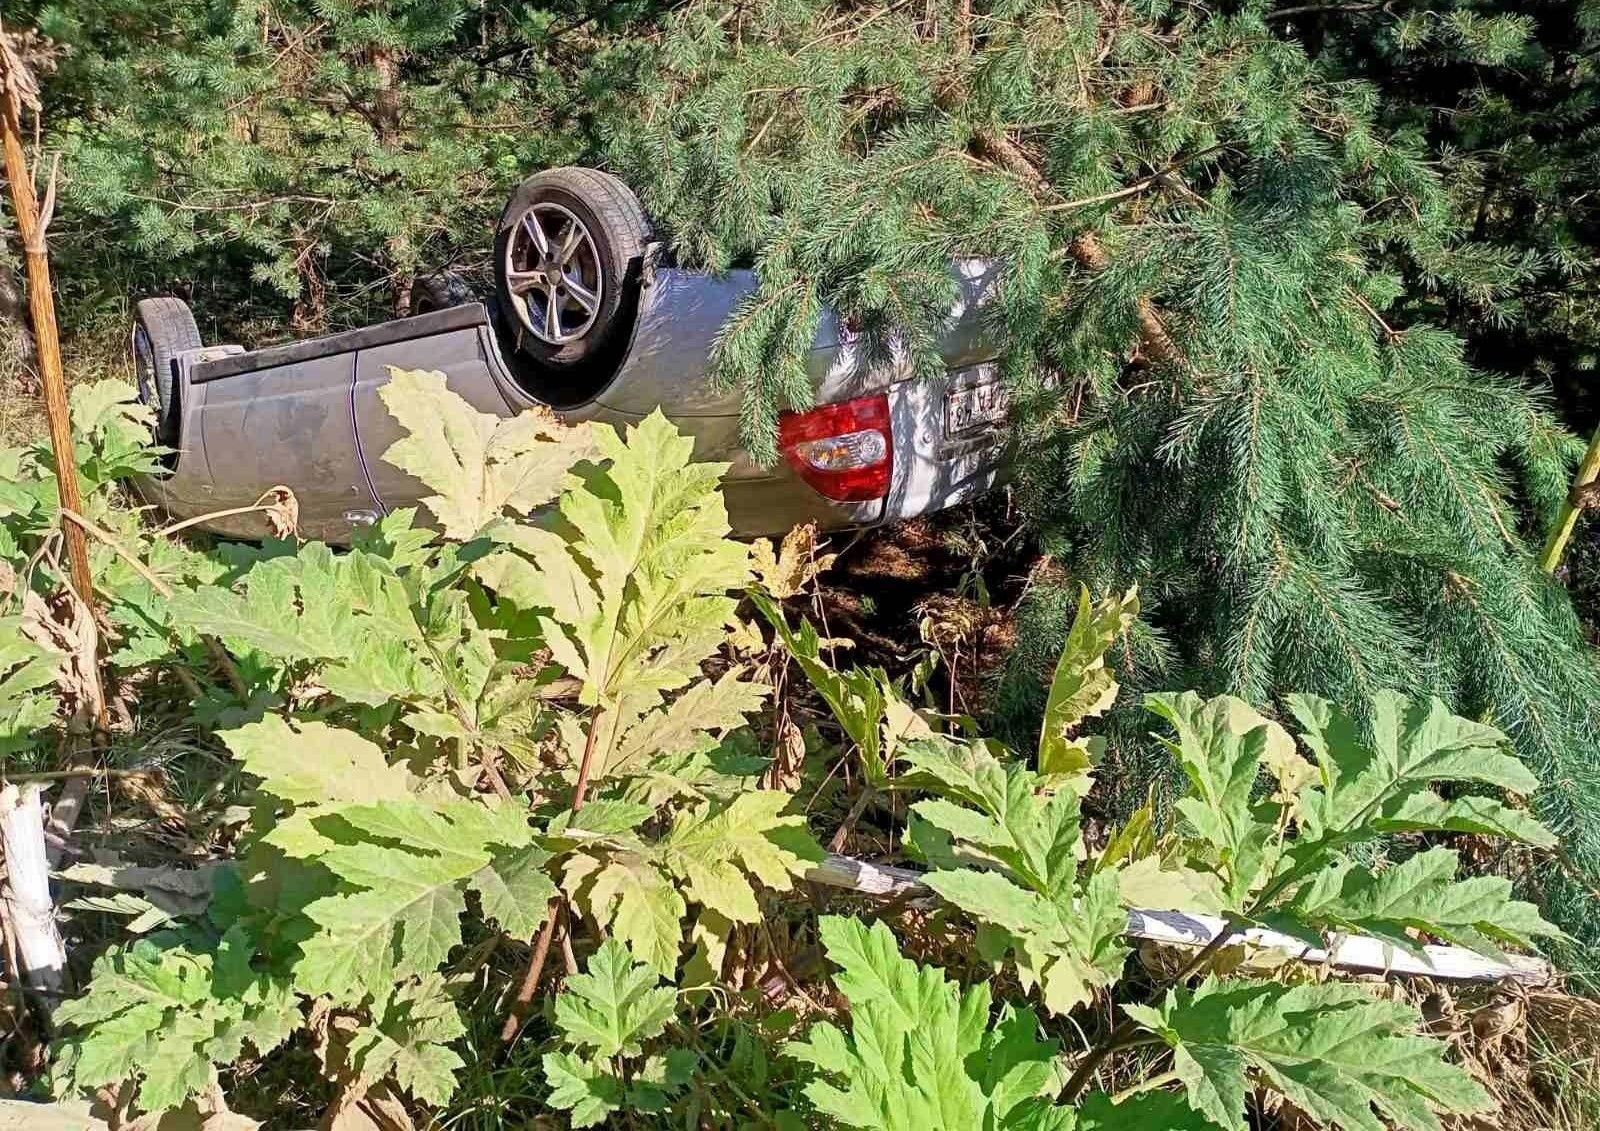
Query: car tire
x,y
163,328
440,291
594,273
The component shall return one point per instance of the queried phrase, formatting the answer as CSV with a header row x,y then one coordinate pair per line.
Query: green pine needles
x,y
1207,242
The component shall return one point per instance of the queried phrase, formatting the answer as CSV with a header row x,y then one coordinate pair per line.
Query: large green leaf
x,y
27,679
165,1011
714,847
609,1012
1222,746
1420,894
616,1005
402,868
1083,687
1067,948
1368,788
515,890
585,1087
643,908
409,1037
632,596
352,613
478,465
921,1054
691,724
1001,809
1064,935
1331,1048
315,763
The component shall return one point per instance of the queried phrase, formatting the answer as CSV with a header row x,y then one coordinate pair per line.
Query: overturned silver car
x,y
583,321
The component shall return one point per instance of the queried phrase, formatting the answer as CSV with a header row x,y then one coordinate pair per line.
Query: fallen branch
x,y
41,955
1183,928
80,772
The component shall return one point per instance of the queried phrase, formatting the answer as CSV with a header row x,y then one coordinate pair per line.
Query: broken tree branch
x,y
1354,953
29,909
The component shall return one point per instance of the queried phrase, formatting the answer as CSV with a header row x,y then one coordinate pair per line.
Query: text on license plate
x,y
975,407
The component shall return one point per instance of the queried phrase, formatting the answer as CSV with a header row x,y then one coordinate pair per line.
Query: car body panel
x,y
308,415
467,359
682,313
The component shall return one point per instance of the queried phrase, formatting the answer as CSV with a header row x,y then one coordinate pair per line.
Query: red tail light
x,y
845,450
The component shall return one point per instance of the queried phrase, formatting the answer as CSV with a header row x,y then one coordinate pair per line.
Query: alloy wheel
x,y
553,271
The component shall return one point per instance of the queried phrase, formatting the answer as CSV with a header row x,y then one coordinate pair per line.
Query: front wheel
x,y
439,291
566,254
162,329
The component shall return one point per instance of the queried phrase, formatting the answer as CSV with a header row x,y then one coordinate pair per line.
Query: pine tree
x,y
1509,93
324,150
1217,271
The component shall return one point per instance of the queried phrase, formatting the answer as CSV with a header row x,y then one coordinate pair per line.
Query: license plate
x,y
977,406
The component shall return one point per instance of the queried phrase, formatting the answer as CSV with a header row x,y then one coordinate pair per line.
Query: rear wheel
x,y
567,254
440,291
162,329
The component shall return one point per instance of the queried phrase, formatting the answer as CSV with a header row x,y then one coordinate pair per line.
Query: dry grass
x,y
95,354
1536,1051
21,409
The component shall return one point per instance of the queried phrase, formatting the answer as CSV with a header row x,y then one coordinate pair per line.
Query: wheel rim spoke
x,y
582,295
552,315
570,243
521,282
535,230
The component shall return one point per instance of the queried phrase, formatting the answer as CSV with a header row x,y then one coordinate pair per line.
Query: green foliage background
x,y
307,158
1304,278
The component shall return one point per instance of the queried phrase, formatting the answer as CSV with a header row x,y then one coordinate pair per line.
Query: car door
x,y
282,416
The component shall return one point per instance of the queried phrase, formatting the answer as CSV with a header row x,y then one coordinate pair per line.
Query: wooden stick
x,y
1186,928
1555,546
79,772
47,340
41,953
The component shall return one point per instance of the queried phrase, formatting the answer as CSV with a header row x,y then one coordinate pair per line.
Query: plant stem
x,y
530,978
842,833
1150,1085
541,948
120,550
32,223
1555,546
586,764
201,519
1123,1032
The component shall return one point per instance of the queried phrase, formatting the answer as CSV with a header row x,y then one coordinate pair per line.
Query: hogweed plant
x,y
392,692
1263,835
525,719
